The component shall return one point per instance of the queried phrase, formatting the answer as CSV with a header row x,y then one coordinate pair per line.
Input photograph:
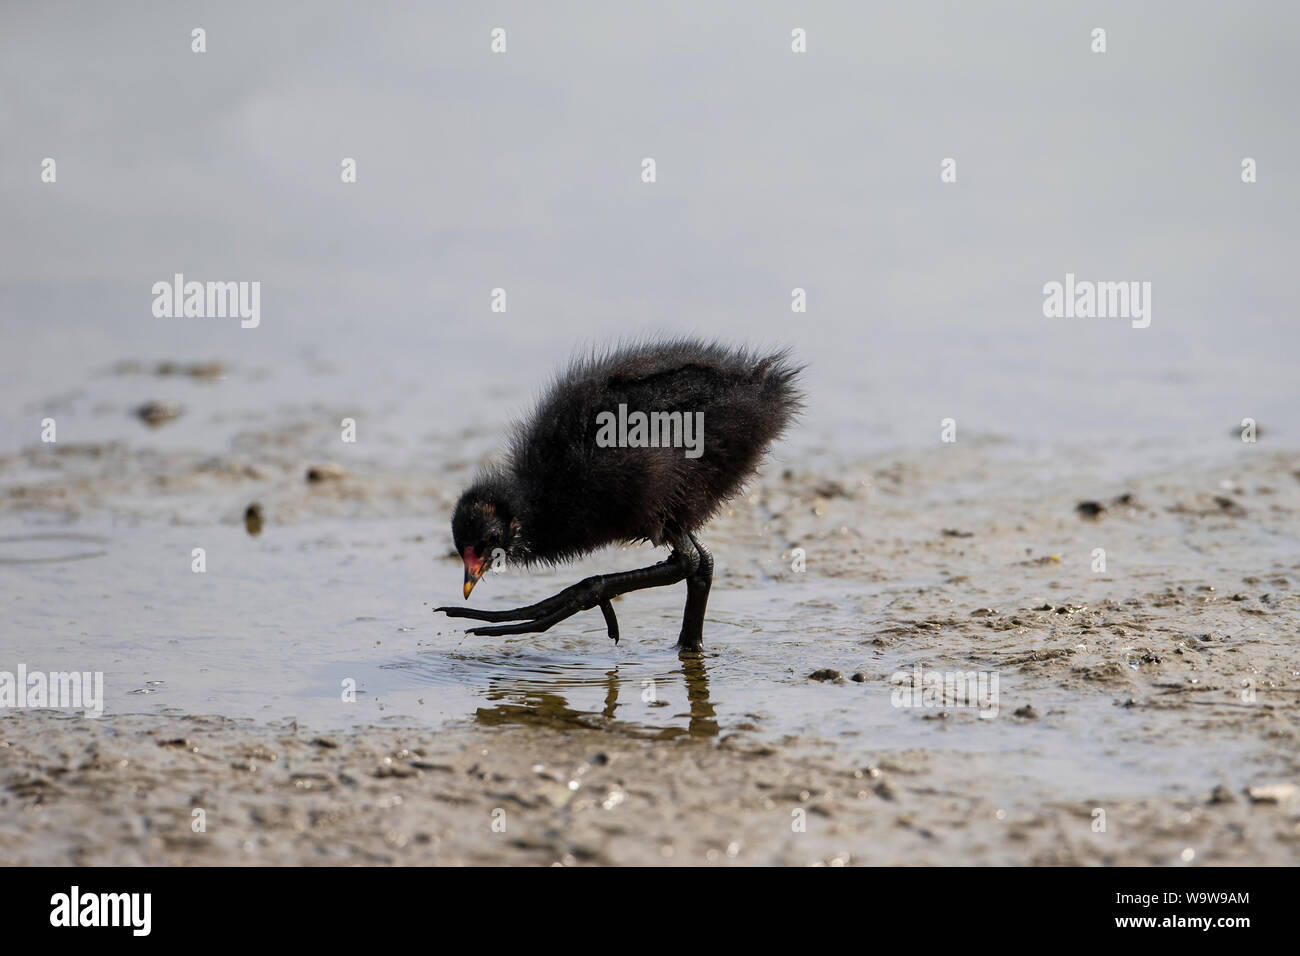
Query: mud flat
x,y
127,790
1148,708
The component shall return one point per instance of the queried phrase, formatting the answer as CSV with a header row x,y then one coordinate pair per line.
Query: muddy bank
x,y
126,790
1147,708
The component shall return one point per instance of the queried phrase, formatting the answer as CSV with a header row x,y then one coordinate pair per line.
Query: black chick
x,y
584,470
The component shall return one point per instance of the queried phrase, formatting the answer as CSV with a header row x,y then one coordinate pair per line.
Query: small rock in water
x,y
200,370
1272,792
831,489
1228,506
253,519
158,413
330,472
1221,794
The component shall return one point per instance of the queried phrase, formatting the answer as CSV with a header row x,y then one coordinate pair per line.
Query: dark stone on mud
x,y
1272,793
158,413
859,677
1026,712
1090,509
200,370
319,473
253,519
825,673
829,488
1228,506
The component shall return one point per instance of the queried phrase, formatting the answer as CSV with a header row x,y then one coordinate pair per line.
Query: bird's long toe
x,y
478,615
523,627
611,621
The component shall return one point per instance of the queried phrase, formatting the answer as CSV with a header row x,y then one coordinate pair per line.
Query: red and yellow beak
x,y
474,568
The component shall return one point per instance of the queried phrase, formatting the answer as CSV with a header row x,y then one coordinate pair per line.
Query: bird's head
x,y
485,529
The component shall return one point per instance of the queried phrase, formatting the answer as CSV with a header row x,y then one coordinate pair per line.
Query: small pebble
x,y
253,519
330,472
158,413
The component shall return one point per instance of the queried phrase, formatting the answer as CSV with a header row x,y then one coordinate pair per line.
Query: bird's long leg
x,y
586,594
698,582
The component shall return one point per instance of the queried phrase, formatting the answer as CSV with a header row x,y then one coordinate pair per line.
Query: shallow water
x,y
279,623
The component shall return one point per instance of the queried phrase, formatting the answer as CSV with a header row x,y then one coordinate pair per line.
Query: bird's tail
x,y
777,375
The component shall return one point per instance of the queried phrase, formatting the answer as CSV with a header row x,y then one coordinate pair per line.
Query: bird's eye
x,y
494,537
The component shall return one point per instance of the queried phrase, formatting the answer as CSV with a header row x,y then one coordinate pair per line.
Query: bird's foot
x,y
691,637
597,590
543,615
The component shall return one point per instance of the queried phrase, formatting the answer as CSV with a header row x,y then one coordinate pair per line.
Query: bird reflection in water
x,y
537,702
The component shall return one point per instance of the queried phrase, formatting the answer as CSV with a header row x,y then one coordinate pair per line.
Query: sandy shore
x,y
1148,712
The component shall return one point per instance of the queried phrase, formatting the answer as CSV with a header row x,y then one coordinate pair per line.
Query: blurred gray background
x,y
775,170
